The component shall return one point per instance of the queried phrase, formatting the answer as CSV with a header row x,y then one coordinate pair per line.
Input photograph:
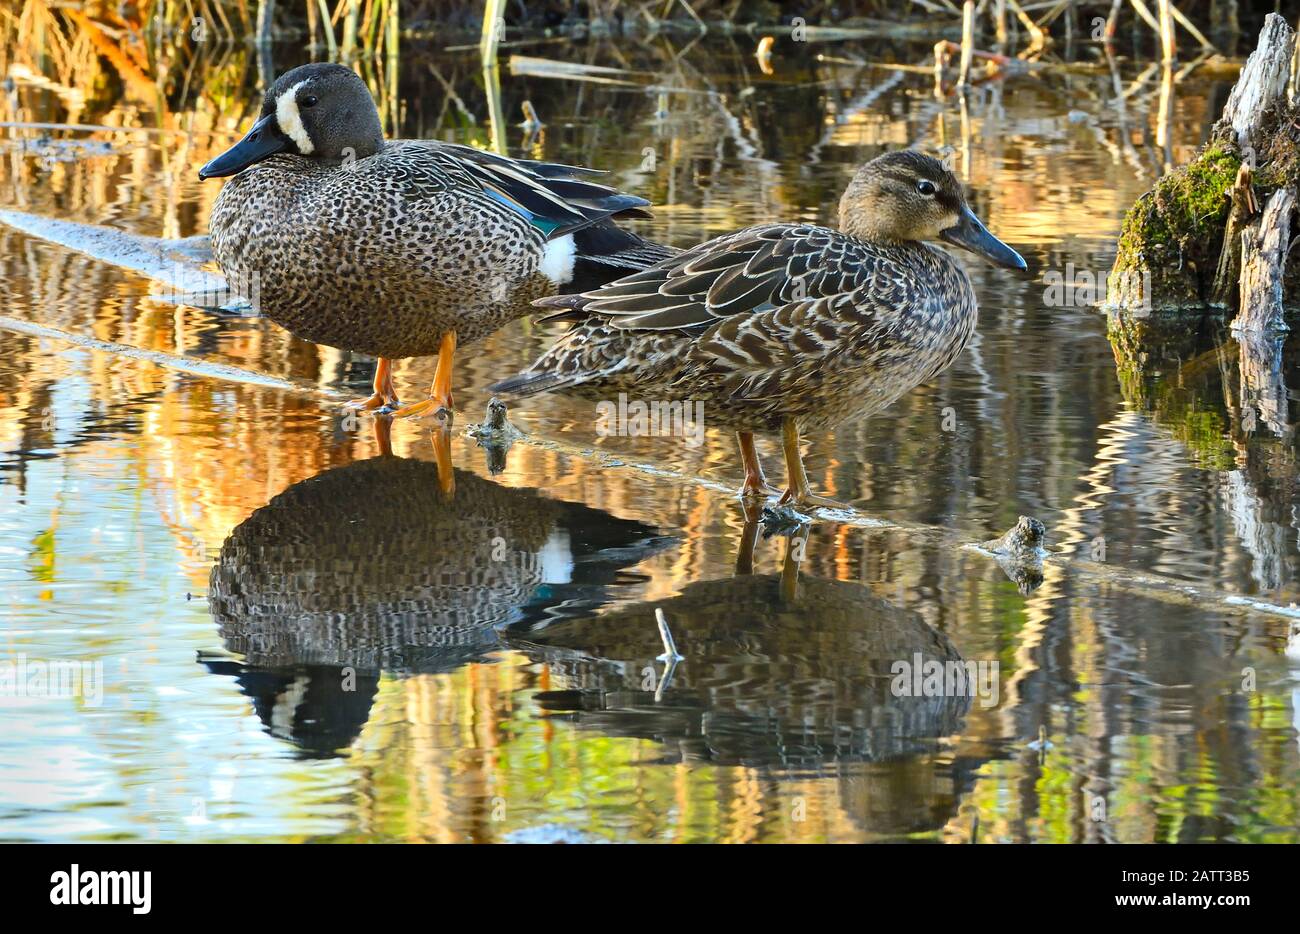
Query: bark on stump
x,y
1263,261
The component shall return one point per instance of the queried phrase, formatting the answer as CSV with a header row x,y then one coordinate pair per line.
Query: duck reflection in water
x,y
784,672
329,576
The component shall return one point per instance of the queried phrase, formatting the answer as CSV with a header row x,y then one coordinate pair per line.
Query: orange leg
x,y
794,552
756,484
440,393
748,537
385,393
384,436
798,493
442,457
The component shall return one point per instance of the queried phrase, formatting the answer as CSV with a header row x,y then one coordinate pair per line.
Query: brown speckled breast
x,y
382,256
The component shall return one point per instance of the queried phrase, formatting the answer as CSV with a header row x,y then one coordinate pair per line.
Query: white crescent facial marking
x,y
286,114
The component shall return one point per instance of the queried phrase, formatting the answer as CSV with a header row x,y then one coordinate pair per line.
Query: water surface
x,y
377,657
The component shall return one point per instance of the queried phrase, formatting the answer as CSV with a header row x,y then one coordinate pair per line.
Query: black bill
x,y
262,141
970,234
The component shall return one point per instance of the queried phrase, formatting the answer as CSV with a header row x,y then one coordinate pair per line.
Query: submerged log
x,y
1182,239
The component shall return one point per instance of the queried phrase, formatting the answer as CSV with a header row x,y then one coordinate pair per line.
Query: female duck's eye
x,y
926,187
309,101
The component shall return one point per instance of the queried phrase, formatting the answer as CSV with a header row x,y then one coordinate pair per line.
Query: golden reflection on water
x,y
122,482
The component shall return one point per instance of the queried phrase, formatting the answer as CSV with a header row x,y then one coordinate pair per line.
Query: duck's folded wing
x,y
736,276
554,197
756,306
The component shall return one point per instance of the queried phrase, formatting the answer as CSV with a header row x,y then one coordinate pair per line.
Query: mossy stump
x,y
1172,240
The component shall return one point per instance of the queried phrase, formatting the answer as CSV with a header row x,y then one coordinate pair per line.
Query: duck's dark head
x,y
907,195
318,111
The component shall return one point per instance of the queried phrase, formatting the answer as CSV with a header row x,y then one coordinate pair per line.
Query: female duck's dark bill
x,y
265,139
970,234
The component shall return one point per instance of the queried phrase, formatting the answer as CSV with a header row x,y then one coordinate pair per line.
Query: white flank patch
x,y
556,558
557,261
286,114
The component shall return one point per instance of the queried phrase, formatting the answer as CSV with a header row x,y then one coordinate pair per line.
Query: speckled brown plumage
x,y
381,256
790,326
775,321
371,565
385,247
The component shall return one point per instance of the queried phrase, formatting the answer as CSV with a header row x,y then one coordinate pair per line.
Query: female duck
x,y
401,248
788,327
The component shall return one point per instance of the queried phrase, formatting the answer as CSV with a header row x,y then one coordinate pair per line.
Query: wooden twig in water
x,y
1145,13
699,22
349,46
103,127
967,42
493,26
532,121
1169,14
1112,20
666,635
313,22
1187,24
1168,47
1038,39
1054,10
934,7
569,71
330,43
943,51
670,658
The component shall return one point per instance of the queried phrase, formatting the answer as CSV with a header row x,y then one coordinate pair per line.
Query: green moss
x,y
1169,370
1199,192
1190,201
1175,231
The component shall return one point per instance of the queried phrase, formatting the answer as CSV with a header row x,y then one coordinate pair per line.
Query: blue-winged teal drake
x,y
789,327
401,248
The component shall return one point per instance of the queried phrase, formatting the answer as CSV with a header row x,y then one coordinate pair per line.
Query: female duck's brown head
x,y
907,195
318,111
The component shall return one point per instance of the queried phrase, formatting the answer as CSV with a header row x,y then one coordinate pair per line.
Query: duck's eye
x,y
308,101
926,187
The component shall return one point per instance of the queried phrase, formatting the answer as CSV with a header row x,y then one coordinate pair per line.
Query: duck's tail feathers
x,y
556,198
588,352
523,385
571,308
604,252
